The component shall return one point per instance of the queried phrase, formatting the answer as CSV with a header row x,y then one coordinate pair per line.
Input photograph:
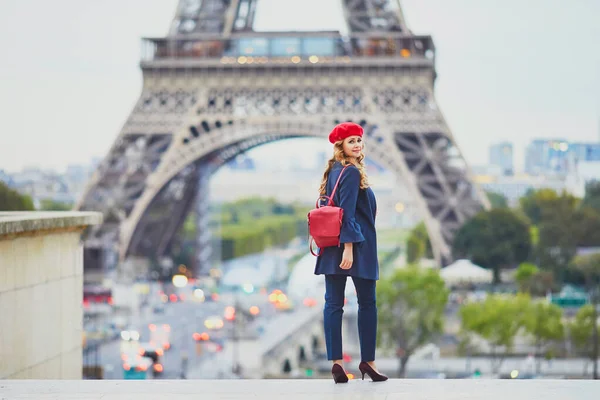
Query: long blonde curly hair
x,y
339,155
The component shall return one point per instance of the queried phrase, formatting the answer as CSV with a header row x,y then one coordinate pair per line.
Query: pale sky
x,y
507,70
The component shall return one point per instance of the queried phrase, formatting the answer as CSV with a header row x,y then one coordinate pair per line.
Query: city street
x,y
185,318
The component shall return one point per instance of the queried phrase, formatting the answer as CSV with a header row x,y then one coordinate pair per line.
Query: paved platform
x,y
405,389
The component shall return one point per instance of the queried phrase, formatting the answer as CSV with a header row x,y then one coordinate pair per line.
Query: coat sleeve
x,y
348,189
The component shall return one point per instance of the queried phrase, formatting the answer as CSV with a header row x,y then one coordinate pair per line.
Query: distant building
x,y
501,155
586,161
515,187
547,157
76,178
44,184
552,157
585,152
588,171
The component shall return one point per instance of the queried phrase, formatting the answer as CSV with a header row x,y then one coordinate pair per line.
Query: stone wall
x,y
41,286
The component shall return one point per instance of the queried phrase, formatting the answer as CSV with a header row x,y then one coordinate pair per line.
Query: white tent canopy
x,y
464,271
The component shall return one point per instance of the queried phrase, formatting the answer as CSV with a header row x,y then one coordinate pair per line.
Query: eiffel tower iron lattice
x,y
213,88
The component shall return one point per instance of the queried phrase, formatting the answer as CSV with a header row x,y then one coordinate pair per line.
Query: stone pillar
x,y
41,290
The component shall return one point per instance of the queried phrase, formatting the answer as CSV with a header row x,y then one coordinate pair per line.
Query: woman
x,y
357,254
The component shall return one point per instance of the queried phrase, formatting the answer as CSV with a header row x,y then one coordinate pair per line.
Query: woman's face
x,y
353,146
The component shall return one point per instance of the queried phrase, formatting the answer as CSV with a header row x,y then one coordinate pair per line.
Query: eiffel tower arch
x,y
214,88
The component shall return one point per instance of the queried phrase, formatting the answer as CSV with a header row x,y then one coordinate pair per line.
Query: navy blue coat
x,y
358,227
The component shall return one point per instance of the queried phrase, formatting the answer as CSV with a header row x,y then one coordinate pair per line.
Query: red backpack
x,y
325,222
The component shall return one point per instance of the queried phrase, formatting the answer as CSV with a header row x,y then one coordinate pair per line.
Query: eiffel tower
x,y
214,88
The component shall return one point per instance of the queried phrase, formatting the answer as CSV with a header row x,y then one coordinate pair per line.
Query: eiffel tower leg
x,y
412,182
203,250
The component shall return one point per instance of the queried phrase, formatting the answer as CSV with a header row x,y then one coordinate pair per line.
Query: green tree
x,y
534,233
411,305
188,229
543,282
415,249
498,319
592,195
589,266
421,232
533,281
11,200
544,325
588,224
581,332
51,205
496,239
558,234
524,276
249,225
564,223
497,200
418,244
533,202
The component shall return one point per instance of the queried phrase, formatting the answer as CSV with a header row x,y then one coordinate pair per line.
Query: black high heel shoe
x,y
375,376
339,375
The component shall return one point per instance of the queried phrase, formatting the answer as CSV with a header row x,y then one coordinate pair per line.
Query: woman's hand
x,y
347,257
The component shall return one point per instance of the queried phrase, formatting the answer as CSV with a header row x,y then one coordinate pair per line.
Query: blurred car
x,y
130,335
154,353
280,300
284,305
309,302
198,295
135,366
158,308
211,296
160,335
214,322
129,341
151,351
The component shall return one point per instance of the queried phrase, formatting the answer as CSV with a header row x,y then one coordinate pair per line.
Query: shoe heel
x,y
374,375
339,375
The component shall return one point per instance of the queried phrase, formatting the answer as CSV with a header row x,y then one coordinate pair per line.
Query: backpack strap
x,y
336,185
310,246
330,198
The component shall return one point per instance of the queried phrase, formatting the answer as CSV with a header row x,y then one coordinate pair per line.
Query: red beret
x,y
344,130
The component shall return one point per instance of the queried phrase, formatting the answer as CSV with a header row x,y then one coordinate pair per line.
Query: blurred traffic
x,y
163,330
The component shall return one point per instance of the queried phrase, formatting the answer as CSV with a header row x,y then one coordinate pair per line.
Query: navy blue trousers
x,y
334,310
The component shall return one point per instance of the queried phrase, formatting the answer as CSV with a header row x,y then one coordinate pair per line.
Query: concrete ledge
x,y
313,389
41,285
18,223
